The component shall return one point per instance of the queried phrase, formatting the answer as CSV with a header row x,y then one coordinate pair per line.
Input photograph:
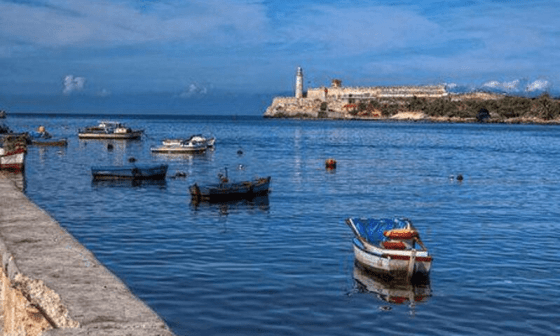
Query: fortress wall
x,y
378,92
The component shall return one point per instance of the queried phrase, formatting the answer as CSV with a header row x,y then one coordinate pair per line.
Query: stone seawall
x,y
52,285
306,107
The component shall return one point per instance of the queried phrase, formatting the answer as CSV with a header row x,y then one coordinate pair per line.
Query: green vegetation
x,y
543,107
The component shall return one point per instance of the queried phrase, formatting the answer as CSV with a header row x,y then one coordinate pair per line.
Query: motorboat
x,y
198,138
389,245
178,146
109,130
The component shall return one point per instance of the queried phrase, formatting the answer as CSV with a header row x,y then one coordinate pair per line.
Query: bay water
x,y
284,265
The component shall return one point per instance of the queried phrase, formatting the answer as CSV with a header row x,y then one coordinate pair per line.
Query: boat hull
x,y
12,160
129,173
392,262
209,142
231,191
178,150
115,136
59,142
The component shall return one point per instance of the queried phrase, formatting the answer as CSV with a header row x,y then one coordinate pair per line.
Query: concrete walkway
x,y
61,279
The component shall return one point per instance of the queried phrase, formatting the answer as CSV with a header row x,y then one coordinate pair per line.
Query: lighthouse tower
x,y
299,83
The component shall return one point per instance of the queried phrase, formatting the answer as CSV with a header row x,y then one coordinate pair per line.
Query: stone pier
x,y
52,285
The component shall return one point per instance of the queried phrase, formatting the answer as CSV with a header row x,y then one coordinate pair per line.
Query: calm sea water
x,y
284,265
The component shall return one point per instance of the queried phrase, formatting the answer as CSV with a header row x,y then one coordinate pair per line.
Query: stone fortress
x,y
337,101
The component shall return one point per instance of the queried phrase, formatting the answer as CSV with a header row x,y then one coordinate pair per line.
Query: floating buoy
x,y
110,147
459,177
330,163
180,174
241,167
240,152
131,159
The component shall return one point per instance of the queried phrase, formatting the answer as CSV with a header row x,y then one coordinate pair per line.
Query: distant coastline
x,y
413,103
457,109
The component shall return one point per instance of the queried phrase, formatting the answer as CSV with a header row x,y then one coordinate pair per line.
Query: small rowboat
x,y
389,245
228,191
13,151
49,142
132,172
12,159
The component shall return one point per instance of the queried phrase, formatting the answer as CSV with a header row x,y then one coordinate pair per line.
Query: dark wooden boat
x,y
131,172
49,142
227,191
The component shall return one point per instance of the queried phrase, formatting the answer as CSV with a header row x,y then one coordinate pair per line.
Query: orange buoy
x,y
401,234
394,245
330,163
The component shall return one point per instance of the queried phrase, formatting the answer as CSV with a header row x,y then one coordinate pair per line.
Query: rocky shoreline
x,y
457,109
426,119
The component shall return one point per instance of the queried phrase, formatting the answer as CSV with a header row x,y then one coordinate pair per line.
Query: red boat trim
x,y
14,152
14,166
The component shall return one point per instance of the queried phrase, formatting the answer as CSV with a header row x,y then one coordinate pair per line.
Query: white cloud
x,y
539,84
72,84
194,90
507,86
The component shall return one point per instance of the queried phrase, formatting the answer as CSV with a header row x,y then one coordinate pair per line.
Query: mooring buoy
x,y
330,163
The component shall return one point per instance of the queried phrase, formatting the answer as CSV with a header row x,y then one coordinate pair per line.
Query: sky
x,y
192,49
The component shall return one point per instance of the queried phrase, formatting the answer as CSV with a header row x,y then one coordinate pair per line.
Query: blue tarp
x,y
372,229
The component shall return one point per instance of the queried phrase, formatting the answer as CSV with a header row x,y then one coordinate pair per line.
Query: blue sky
x,y
197,48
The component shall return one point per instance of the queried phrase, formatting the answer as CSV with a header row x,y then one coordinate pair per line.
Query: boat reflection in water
x,y
17,177
396,291
160,184
260,203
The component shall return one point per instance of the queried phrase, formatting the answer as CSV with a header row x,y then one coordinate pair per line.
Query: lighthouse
x,y
299,83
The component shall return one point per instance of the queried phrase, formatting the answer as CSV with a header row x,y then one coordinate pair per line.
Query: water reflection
x,y
17,177
45,151
260,203
396,291
206,156
160,184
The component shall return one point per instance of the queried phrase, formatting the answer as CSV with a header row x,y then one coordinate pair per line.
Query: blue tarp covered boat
x,y
389,245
